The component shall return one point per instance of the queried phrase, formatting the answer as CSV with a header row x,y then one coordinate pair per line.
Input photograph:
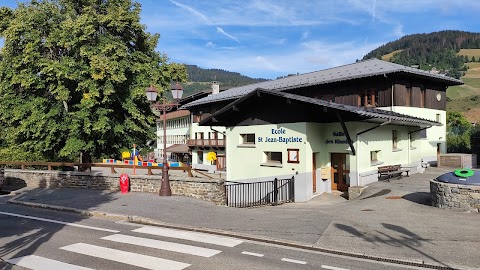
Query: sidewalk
x,y
390,220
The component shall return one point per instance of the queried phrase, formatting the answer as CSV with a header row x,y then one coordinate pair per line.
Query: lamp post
x,y
164,107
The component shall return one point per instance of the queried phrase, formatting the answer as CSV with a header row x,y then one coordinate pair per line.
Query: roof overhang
x,y
315,110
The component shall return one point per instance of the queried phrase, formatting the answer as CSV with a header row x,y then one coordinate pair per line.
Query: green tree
x,y
458,133
73,75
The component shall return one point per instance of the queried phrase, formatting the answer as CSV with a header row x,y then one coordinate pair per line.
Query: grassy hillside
x,y
389,56
466,98
470,53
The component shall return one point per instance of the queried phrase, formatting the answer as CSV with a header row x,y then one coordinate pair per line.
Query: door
x,y
340,172
221,162
314,173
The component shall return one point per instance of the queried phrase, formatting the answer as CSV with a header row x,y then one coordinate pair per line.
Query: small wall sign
x,y
293,156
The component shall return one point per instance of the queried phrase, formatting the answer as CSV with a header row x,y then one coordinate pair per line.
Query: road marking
x,y
60,222
192,236
37,262
130,258
145,242
293,261
252,254
333,267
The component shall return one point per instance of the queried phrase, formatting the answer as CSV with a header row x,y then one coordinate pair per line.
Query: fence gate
x,y
273,192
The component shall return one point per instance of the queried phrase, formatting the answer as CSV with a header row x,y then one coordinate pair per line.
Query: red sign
x,y
124,183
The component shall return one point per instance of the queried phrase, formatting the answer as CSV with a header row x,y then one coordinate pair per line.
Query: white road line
x,y
252,254
60,222
293,261
37,262
333,267
145,242
130,258
192,236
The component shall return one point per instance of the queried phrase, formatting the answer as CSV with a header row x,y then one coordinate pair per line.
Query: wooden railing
x,y
85,166
206,142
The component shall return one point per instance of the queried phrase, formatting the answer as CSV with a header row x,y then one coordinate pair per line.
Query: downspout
x,y
391,91
357,144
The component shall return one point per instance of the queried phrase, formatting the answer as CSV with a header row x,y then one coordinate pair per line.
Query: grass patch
x,y
470,53
388,56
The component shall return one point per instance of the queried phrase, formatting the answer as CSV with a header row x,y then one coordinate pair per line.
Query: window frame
x,y
292,156
394,139
245,136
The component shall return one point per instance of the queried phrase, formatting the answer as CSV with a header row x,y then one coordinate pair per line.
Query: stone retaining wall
x,y
462,197
212,190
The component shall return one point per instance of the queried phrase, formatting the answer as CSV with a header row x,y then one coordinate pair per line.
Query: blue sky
x,y
270,38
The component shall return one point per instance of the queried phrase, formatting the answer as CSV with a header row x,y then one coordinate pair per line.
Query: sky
x,y
271,38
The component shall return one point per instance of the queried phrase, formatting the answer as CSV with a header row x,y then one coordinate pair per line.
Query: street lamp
x,y
164,107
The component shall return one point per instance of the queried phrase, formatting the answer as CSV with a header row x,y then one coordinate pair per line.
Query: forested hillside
x,y
199,79
437,50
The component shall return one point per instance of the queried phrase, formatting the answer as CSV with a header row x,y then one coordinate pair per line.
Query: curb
x,y
268,240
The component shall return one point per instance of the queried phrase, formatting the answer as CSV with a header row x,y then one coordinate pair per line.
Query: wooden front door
x,y
340,172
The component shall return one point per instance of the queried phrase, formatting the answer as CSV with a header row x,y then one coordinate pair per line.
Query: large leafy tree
x,y
73,75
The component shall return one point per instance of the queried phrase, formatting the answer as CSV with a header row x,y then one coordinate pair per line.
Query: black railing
x,y
259,193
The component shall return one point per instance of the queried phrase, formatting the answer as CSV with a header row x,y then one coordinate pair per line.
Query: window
x,y
247,138
439,119
274,157
423,133
368,98
200,157
375,158
394,139
292,155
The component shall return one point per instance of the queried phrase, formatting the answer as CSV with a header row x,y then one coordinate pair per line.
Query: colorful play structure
x,y
134,158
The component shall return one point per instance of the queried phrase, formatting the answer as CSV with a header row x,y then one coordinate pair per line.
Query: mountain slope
x,y
438,49
199,79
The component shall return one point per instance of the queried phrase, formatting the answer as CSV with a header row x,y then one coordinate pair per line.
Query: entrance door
x,y
340,172
314,173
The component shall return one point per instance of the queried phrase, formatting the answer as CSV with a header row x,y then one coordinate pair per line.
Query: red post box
x,y
124,183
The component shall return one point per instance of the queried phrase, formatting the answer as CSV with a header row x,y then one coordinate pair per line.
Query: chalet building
x,y
330,129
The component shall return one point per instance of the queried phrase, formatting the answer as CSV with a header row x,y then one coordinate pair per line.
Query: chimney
x,y
215,87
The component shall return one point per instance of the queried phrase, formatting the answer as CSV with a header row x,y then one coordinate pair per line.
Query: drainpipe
x,y
391,92
357,144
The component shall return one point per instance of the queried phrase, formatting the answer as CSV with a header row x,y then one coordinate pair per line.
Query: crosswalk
x,y
101,251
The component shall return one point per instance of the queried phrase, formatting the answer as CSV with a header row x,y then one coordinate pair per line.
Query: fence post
x,y
275,191
292,189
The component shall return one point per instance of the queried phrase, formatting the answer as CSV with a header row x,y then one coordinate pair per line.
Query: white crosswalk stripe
x,y
191,236
40,263
125,257
145,242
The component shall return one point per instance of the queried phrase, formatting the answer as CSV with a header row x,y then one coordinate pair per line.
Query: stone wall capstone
x,y
212,190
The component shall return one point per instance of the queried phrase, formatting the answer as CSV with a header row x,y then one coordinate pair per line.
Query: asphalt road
x,y
57,240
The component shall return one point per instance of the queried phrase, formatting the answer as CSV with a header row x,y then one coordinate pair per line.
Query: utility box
x,y
325,173
457,160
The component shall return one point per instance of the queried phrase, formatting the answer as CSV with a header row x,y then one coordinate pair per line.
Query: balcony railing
x,y
206,142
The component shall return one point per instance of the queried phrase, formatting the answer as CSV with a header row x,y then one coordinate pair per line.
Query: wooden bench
x,y
391,171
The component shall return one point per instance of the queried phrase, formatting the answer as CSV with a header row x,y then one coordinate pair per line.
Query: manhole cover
x,y
393,197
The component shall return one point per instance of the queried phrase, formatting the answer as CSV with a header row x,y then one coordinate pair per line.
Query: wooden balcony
x,y
205,143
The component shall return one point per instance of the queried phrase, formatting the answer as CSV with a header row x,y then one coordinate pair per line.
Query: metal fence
x,y
259,193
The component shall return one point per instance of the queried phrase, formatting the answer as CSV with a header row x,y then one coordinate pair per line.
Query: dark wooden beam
x,y
339,116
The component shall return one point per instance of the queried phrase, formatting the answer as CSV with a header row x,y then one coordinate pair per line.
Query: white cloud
x,y
398,31
210,44
221,31
305,35
193,11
